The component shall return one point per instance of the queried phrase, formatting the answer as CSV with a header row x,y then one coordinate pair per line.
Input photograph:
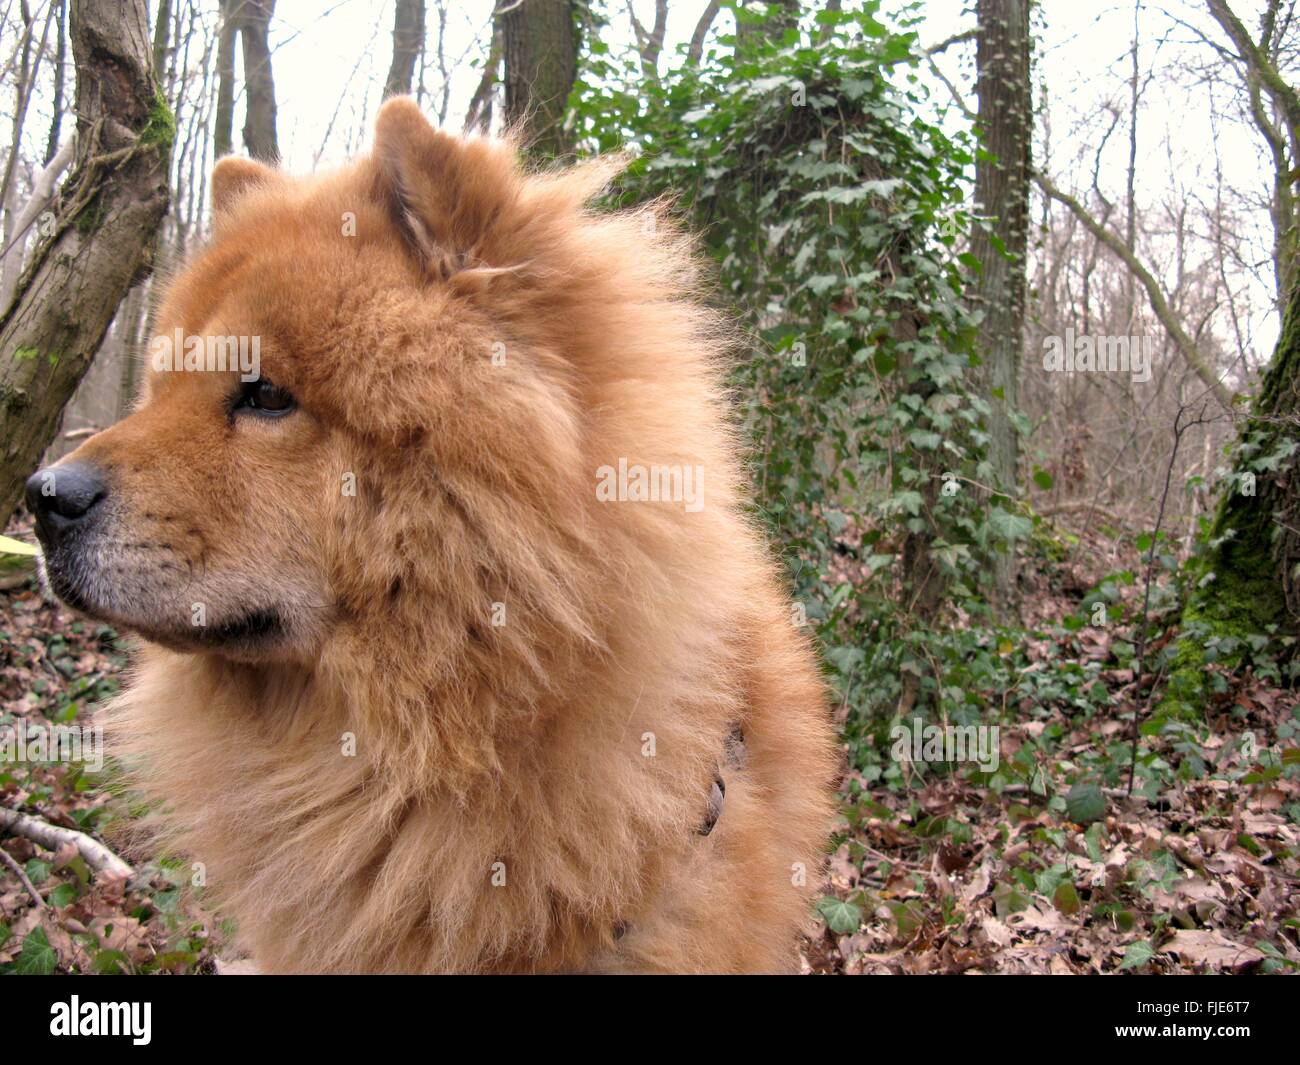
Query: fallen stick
x,y
18,872
97,856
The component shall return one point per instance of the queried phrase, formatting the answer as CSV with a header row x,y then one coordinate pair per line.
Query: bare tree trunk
x,y
650,42
28,219
1130,185
223,132
103,237
695,50
408,39
259,121
60,68
27,68
1002,196
161,30
540,45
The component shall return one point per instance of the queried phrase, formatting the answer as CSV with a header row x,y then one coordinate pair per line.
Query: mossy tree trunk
x,y
1002,197
1249,581
101,237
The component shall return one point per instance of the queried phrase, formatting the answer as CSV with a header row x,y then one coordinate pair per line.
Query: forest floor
x,y
1063,870
1046,867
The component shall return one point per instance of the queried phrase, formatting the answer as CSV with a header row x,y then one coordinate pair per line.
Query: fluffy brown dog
x,y
428,683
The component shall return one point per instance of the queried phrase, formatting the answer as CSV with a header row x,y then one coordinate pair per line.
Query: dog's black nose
x,y
60,497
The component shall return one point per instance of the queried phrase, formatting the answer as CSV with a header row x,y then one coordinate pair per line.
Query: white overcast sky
x,y
329,69
330,58
316,55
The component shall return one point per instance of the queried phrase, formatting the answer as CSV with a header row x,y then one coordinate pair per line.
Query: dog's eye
x,y
266,398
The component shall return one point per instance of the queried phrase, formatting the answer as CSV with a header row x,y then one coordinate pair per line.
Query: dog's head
x,y
367,386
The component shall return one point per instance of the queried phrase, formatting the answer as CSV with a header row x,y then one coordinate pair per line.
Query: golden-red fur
x,y
570,749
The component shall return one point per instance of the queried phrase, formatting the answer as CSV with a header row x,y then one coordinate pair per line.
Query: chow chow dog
x,y
459,652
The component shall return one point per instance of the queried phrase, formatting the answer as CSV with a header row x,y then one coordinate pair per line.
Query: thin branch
x,y
1139,662
1159,304
1286,98
479,113
957,38
17,870
695,51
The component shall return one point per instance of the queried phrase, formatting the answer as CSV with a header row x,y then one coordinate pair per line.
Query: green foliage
x,y
37,957
160,129
840,916
1086,803
831,208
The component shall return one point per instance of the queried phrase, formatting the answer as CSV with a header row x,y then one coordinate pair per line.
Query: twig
x,y
957,38
18,872
1139,659
52,837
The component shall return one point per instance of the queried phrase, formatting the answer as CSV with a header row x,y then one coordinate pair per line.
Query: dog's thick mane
x,y
358,812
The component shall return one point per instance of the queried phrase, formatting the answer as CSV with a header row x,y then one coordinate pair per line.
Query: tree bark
x,y
650,42
28,219
695,50
60,69
223,125
259,120
1002,197
161,32
102,238
1249,582
540,45
408,37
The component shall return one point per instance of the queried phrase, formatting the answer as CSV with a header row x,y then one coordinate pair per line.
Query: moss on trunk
x,y
1246,578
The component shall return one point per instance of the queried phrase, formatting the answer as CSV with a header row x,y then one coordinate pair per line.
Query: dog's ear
x,y
233,178
447,195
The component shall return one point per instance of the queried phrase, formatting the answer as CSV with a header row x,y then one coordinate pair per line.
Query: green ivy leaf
x,y
1009,526
37,957
1137,955
842,918
63,895
110,963
1085,803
